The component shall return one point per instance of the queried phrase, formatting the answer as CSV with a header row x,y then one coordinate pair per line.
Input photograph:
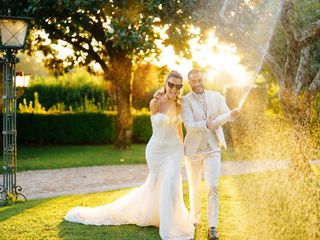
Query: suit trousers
x,y
211,164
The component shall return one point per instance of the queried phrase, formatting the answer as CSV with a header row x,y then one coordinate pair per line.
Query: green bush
x,y
142,129
81,128
70,96
73,90
77,128
37,108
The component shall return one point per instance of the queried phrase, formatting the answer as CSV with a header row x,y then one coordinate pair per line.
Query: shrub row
x,y
77,128
73,96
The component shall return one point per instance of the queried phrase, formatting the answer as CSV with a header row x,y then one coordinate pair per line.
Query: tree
x,y
146,80
292,57
115,34
299,75
297,68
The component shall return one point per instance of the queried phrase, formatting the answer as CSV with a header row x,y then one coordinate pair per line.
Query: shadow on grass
x,y
11,211
76,231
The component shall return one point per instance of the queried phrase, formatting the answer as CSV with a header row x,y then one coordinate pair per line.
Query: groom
x,y
204,112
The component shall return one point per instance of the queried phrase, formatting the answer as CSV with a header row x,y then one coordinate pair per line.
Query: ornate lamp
x,y
13,32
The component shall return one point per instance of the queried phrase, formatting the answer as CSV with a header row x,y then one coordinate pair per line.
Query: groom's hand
x,y
210,124
210,121
235,113
212,117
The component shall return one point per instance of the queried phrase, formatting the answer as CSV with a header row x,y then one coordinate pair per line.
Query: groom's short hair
x,y
195,71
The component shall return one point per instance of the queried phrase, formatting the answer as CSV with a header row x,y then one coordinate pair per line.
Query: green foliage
x,y
77,128
17,7
141,127
10,199
304,12
68,128
273,100
83,92
32,108
85,106
79,91
147,78
99,30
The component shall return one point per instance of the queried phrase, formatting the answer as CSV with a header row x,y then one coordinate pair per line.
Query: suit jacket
x,y
193,116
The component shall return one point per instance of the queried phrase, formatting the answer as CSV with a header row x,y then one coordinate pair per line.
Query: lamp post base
x,y
12,197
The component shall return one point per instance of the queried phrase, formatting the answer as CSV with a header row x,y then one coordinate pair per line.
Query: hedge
x,y
77,128
73,96
142,129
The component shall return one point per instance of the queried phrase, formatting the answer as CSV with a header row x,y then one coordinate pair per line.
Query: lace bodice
x,y
165,127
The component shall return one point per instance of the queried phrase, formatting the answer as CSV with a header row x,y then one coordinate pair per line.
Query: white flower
x,y
110,30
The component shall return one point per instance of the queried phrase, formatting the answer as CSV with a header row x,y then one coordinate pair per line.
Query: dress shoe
x,y
213,234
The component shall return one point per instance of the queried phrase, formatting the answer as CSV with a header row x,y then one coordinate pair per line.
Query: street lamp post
x,y
13,32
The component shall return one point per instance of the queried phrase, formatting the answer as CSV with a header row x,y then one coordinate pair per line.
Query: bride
x,y
159,201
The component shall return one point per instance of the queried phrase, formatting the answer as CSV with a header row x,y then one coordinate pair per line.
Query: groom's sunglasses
x,y
172,85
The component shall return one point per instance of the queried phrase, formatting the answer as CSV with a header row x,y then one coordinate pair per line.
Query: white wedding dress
x,y
159,201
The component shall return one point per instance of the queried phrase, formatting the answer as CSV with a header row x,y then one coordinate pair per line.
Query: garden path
x,y
50,183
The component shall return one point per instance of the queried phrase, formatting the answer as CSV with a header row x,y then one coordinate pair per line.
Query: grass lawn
x,y
256,206
54,157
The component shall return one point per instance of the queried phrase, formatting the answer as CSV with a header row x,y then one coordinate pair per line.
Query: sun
x,y
211,55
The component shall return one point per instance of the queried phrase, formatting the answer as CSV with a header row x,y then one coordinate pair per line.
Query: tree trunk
x,y
121,70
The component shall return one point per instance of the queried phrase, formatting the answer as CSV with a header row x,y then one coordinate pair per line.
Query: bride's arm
x,y
155,102
180,132
154,106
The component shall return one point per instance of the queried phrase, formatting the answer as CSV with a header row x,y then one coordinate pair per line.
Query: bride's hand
x,y
157,95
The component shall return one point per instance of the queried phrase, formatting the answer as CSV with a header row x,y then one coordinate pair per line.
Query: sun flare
x,y
220,61
216,58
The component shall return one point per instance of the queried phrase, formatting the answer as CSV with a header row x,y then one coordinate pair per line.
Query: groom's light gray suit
x,y
203,148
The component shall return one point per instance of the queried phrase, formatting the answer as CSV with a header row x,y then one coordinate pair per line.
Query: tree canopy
x,y
114,34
